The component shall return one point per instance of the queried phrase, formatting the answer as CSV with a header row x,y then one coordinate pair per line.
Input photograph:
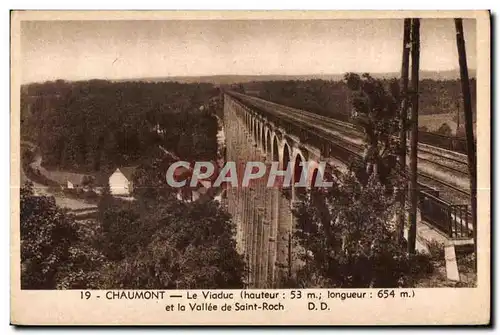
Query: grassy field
x,y
433,121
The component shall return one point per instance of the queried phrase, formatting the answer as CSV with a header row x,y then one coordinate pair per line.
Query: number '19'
x,y
85,295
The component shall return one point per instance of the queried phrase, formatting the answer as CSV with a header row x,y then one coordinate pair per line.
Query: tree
x,y
99,125
121,232
444,129
186,246
54,253
154,267
83,271
376,103
347,233
150,178
204,234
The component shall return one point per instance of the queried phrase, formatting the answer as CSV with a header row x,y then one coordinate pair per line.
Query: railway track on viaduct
x,y
439,169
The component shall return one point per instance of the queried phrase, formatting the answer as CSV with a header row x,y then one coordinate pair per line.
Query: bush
x,y
444,129
178,245
348,232
54,254
436,251
347,235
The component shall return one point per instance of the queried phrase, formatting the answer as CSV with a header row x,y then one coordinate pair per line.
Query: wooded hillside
x,y
331,98
97,125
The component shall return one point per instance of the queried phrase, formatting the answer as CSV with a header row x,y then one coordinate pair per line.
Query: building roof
x,y
128,171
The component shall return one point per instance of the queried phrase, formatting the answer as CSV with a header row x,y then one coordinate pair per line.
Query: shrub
x,y
348,232
347,235
444,129
436,251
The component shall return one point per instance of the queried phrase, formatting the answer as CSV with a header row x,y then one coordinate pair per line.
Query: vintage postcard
x,y
250,168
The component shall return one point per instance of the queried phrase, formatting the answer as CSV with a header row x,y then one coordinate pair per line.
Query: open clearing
x,y
433,121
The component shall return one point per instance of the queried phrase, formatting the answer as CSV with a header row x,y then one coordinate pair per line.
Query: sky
x,y
75,50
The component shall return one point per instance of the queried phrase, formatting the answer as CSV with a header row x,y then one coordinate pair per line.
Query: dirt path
x,y
61,200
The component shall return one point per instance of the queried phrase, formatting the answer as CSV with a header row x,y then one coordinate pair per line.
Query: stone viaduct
x,y
258,130
263,215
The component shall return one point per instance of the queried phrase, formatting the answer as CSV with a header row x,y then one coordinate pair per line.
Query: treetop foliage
x,y
180,245
55,252
376,105
154,242
346,234
99,125
331,98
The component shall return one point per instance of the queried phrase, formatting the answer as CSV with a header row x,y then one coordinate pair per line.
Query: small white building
x,y
71,184
67,180
121,181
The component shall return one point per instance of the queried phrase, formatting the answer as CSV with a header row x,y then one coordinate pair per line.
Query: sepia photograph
x,y
255,154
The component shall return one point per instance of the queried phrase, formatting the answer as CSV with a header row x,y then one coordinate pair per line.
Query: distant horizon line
x,y
240,75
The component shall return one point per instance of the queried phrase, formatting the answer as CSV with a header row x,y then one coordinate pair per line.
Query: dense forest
x,y
98,125
153,242
332,98
158,241
147,244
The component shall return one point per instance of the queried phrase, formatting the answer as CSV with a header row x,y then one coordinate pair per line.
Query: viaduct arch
x,y
263,215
